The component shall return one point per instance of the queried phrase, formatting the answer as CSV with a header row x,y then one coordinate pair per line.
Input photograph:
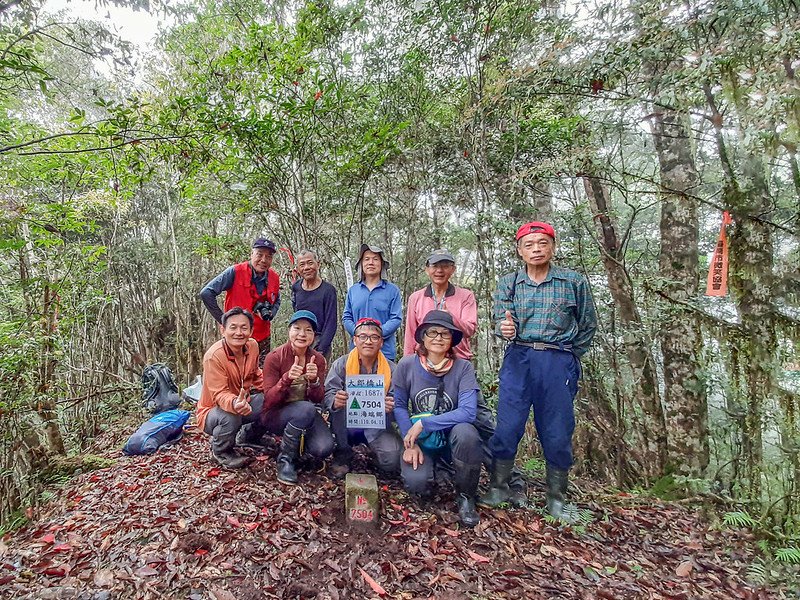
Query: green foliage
x,y
14,521
674,487
665,488
18,364
489,388
739,519
757,572
788,555
576,519
534,466
61,469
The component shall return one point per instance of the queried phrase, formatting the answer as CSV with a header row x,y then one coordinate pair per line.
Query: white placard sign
x,y
366,402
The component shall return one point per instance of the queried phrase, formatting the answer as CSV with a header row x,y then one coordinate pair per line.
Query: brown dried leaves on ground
x,y
173,525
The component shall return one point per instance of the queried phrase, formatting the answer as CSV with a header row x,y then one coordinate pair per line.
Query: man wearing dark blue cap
x,y
251,285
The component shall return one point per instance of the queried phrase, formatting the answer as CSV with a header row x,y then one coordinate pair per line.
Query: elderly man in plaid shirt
x,y
547,315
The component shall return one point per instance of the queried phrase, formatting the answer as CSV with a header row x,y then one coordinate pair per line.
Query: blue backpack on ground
x,y
165,427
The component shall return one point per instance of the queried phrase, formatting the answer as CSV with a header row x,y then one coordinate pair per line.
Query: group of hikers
x,y
436,419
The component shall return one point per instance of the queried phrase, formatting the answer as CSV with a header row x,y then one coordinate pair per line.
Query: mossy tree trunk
x,y
685,398
652,428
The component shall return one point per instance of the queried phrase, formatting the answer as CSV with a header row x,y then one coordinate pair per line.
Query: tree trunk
x,y
45,403
535,202
653,426
751,264
542,200
681,341
751,280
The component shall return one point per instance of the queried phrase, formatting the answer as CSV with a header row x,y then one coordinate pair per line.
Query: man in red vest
x,y
251,285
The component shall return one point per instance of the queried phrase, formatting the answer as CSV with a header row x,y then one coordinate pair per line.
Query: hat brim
x,y
379,252
437,258
457,338
373,324
314,326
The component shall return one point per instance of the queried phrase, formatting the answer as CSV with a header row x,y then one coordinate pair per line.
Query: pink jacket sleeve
x,y
412,322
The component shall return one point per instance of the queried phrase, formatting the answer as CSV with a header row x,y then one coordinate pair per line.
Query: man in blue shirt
x,y
547,315
313,293
374,297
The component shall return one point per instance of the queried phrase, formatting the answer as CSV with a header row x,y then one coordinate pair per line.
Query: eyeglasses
x,y
431,334
364,337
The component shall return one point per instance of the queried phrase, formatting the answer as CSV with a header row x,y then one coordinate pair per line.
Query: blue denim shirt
x,y
384,303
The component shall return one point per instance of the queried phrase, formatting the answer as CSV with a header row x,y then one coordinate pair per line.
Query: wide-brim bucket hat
x,y
442,319
377,250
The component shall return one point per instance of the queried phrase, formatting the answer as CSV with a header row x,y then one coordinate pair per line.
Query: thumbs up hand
x,y
507,328
296,371
312,373
242,403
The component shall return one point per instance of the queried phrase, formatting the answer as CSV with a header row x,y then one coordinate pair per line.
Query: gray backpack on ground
x,y
159,390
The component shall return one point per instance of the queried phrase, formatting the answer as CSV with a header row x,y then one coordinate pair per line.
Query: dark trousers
x,y
547,381
223,426
387,446
485,424
303,415
327,354
463,444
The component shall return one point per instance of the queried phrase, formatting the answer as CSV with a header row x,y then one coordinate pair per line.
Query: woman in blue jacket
x,y
435,397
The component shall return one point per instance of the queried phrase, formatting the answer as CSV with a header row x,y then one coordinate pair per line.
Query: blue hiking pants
x,y
547,381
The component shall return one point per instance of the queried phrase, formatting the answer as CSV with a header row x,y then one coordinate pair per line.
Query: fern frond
x,y
739,519
788,555
757,573
585,516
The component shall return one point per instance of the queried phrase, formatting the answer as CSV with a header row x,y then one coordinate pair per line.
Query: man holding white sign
x,y
356,392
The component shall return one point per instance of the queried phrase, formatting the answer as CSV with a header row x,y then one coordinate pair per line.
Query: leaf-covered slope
x,y
172,525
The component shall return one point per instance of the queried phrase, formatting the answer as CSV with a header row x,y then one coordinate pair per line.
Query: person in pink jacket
x,y
460,303
440,294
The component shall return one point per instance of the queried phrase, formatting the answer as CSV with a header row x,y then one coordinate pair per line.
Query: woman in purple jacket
x,y
435,397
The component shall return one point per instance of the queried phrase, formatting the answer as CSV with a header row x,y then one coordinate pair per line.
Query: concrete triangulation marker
x,y
361,501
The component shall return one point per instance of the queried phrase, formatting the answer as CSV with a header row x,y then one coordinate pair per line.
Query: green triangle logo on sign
x,y
355,405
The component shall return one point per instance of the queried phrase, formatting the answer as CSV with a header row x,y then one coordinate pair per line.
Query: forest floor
x,y
172,525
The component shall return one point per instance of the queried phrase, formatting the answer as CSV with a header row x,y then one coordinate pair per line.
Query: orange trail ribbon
x,y
718,271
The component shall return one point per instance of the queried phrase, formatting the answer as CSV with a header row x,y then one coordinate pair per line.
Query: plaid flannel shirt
x,y
557,310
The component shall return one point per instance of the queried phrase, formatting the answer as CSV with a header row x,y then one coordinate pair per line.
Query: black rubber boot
x,y
290,452
498,491
557,482
518,490
466,478
250,436
340,463
224,454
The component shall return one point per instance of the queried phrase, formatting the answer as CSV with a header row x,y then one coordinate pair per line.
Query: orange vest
x,y
243,294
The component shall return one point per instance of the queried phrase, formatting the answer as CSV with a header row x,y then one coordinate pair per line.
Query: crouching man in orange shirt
x,y
231,401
